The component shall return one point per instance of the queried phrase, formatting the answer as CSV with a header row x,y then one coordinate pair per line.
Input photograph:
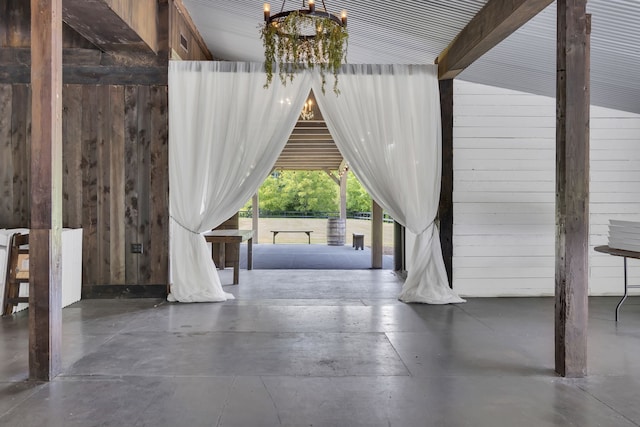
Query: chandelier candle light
x,y
305,38
307,110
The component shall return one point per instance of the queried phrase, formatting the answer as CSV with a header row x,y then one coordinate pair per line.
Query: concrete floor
x,y
331,348
310,257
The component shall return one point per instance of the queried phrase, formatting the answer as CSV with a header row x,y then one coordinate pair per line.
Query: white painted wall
x,y
504,187
71,265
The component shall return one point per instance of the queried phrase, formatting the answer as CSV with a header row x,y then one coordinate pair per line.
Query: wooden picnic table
x,y
236,237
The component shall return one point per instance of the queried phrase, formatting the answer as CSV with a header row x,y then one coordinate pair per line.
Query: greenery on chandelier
x,y
285,49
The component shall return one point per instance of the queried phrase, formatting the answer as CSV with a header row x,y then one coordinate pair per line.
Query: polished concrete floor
x,y
310,257
330,348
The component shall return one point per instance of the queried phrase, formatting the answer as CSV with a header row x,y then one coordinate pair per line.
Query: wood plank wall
x,y
115,176
504,172
137,16
15,27
182,25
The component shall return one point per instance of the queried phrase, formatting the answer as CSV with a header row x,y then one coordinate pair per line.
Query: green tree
x,y
274,194
358,200
302,191
309,191
314,191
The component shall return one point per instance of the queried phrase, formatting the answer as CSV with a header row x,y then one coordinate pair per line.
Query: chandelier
x,y
307,110
304,38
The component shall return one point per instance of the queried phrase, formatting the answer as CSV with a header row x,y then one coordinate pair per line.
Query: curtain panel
x,y
386,122
226,132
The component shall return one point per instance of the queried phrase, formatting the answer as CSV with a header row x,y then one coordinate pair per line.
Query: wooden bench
x,y
307,232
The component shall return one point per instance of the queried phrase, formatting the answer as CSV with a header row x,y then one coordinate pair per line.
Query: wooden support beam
x,y
494,23
45,240
572,189
399,251
376,235
445,209
83,56
89,66
255,220
343,194
115,24
93,75
332,176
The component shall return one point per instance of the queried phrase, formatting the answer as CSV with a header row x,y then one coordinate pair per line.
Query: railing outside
x,y
296,214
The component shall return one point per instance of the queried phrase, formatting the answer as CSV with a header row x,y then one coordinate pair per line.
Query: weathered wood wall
x,y
15,27
181,25
115,135
115,175
138,15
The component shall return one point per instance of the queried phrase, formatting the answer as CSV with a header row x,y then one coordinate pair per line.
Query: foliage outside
x,y
309,191
358,200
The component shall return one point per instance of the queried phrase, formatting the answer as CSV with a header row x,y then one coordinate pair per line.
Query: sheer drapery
x,y
225,134
386,122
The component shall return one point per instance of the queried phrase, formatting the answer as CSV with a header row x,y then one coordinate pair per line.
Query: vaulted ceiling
x,y
310,146
416,31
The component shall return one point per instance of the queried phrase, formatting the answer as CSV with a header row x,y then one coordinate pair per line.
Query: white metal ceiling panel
x,y
416,31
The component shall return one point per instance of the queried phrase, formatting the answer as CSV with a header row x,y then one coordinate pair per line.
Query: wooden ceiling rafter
x,y
311,146
493,23
114,25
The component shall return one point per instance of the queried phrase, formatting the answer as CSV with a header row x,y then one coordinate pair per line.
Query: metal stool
x,y
358,241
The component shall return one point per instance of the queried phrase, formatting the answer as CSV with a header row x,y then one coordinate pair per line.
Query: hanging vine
x,y
285,49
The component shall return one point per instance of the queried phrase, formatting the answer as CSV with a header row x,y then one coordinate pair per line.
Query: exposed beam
x,y
332,176
326,149
297,166
45,235
572,189
310,131
255,220
320,124
343,195
376,235
492,24
115,24
324,138
445,209
89,66
398,247
84,56
113,75
331,158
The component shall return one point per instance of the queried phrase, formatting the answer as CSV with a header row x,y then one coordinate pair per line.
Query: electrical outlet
x,y
136,248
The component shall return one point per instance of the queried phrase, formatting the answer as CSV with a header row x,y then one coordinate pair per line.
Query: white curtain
x,y
225,133
386,122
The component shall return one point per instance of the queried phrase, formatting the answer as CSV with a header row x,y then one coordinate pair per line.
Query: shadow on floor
x,y
310,257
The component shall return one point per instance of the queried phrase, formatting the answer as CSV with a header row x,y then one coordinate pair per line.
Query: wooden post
x,y
572,189
343,194
255,216
445,209
45,240
376,235
398,247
